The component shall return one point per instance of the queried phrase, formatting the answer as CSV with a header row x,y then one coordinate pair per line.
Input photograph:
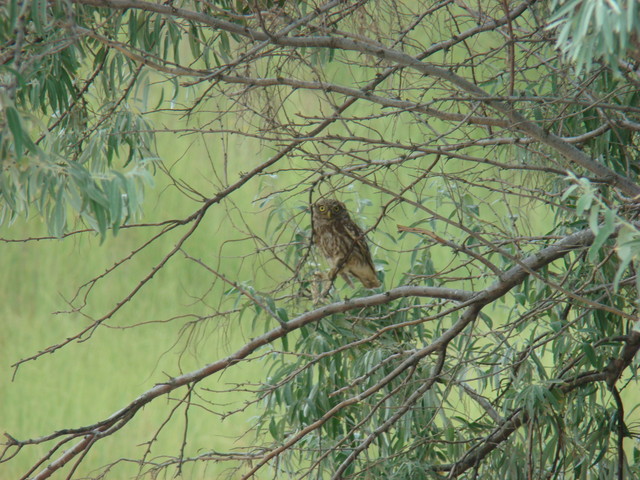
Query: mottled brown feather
x,y
343,243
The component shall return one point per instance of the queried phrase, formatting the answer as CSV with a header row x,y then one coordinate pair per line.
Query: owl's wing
x,y
355,233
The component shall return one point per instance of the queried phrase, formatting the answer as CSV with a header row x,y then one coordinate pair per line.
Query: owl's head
x,y
328,209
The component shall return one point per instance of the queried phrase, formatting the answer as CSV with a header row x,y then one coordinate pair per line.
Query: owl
x,y
342,242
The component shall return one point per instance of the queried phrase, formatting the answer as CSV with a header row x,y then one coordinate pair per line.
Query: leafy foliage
x,y
68,143
599,29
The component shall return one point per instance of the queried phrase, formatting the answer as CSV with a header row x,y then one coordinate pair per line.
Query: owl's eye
x,y
336,208
322,208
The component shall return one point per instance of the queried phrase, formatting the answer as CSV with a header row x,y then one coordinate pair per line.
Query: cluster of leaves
x,y
70,137
605,222
595,30
338,362
73,135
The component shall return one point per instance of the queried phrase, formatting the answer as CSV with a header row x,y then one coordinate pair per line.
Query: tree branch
x,y
517,120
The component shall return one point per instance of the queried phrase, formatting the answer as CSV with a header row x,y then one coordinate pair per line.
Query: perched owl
x,y
342,243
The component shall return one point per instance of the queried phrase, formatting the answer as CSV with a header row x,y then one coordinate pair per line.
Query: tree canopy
x,y
488,149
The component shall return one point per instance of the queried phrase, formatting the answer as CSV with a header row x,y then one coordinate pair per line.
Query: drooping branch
x,y
121,417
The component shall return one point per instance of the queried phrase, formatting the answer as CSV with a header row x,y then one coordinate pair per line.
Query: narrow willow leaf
x,y
584,202
603,233
39,15
59,213
590,353
15,125
101,219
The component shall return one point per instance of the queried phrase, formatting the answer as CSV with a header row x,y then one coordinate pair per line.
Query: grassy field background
x,y
86,382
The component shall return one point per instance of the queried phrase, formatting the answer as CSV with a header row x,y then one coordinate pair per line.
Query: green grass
x,y
86,382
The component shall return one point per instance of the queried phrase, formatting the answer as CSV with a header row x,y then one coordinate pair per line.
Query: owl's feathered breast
x,y
338,237
342,242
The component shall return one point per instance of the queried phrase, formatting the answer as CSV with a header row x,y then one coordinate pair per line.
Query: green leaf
x,y
569,191
285,343
15,125
628,249
115,206
39,15
602,234
584,202
59,213
282,314
273,429
100,56
590,353
101,219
